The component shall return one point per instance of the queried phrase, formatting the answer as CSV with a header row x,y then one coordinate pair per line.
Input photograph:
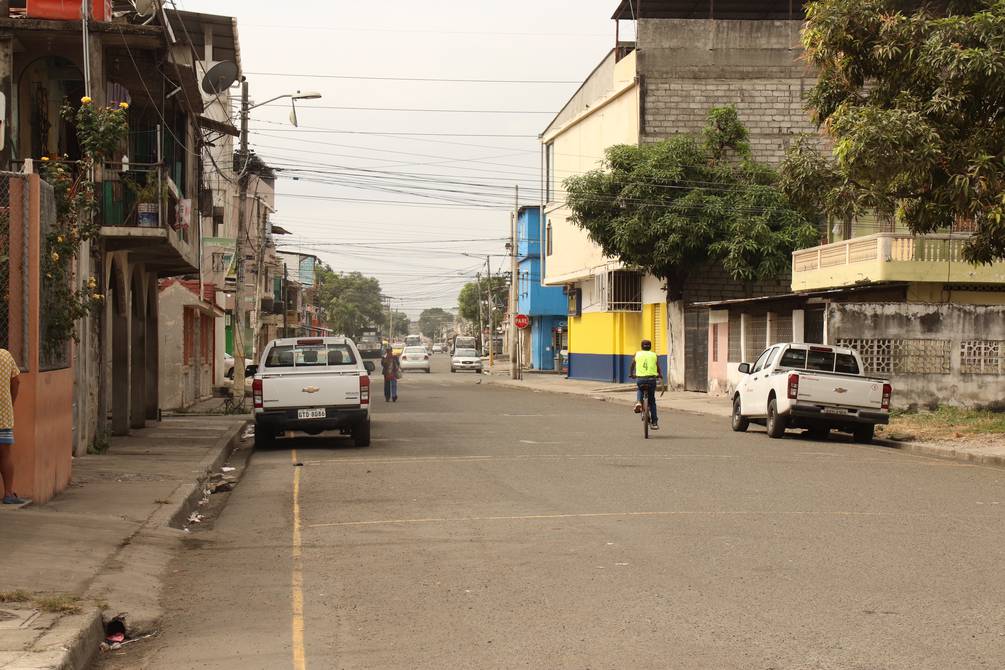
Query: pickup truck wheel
x,y
775,423
739,422
864,434
361,434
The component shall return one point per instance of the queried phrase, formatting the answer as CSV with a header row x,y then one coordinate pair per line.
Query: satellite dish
x,y
145,7
220,77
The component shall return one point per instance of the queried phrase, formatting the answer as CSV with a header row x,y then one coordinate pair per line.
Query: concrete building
x,y
687,58
42,64
546,306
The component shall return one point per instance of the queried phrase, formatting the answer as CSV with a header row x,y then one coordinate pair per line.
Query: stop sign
x,y
521,321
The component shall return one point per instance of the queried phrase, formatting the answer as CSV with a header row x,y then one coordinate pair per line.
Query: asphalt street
x,y
499,528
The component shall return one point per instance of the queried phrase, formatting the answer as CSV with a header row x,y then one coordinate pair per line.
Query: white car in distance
x,y
415,358
466,359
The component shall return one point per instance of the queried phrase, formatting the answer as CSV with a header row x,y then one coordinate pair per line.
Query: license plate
x,y
834,410
311,414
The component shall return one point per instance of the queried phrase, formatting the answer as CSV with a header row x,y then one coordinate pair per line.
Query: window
x,y
548,240
218,221
820,360
288,356
715,343
772,357
549,172
623,291
847,364
188,336
219,264
793,358
761,361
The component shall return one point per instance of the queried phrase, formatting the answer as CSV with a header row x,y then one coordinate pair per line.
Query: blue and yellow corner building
x,y
603,344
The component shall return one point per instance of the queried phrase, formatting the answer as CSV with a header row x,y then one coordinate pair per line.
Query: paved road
x,y
496,528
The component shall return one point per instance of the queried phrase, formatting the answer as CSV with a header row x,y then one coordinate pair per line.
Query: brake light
x,y
887,394
793,386
825,350
256,393
310,343
364,389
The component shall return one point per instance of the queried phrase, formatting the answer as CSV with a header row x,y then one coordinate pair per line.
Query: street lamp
x,y
242,233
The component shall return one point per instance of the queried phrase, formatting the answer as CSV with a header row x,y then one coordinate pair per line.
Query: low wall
x,y
933,354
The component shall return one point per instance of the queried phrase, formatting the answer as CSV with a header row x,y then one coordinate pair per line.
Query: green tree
x,y
473,292
351,301
433,321
911,92
401,325
673,207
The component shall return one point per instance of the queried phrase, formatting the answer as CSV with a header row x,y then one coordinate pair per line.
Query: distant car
x,y
415,358
438,348
466,359
397,348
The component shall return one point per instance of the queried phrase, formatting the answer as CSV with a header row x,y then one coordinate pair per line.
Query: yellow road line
x,y
591,515
299,657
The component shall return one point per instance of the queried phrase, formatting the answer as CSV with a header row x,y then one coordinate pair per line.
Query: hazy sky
x,y
461,173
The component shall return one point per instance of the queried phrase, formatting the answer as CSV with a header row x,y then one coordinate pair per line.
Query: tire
x,y
775,423
739,422
361,434
864,434
264,438
645,420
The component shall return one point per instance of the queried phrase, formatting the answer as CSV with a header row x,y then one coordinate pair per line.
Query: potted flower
x,y
147,207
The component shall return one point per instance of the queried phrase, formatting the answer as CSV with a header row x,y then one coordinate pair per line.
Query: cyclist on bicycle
x,y
647,374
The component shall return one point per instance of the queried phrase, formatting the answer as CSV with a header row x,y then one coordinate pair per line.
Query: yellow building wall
x,y
578,148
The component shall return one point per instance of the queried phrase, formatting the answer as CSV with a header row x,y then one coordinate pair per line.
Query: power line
x,y
347,29
423,79
429,110
308,129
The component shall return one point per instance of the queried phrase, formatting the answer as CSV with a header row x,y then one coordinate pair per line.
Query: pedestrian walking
x,y
8,394
391,367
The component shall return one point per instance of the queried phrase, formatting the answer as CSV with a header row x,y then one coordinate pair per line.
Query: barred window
x,y
624,291
734,354
982,357
781,328
757,335
902,356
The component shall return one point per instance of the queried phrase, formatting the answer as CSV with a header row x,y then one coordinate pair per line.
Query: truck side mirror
x,y
744,368
370,367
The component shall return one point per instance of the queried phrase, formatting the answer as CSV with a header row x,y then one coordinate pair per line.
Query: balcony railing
x,y
121,204
890,257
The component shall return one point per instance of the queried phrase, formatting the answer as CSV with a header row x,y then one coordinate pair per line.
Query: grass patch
x,y
944,423
59,603
18,596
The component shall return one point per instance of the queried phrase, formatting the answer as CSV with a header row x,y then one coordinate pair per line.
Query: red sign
x,y
521,321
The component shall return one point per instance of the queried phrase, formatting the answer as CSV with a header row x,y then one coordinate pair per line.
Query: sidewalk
x,y
103,542
988,451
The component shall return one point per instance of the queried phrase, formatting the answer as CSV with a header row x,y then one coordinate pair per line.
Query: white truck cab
x,y
312,384
811,386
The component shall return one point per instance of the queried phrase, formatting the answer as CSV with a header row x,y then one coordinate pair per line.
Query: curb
x,y
949,454
177,511
84,633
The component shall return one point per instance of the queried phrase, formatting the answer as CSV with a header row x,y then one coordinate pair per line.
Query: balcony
x,y
155,228
890,257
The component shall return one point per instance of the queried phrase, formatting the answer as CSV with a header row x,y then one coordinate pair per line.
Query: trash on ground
x,y
195,517
227,468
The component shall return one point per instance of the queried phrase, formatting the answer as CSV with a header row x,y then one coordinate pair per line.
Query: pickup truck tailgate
x,y
844,390
310,388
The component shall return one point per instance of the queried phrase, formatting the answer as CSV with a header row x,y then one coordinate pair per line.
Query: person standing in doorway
x,y
8,394
391,367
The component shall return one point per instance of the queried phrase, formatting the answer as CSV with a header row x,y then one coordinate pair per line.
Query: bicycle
x,y
645,411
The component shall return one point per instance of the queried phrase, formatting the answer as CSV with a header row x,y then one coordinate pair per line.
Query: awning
x,y
802,295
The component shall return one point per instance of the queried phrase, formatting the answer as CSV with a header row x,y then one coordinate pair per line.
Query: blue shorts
x,y
6,436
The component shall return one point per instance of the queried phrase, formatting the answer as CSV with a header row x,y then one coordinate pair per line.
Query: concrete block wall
x,y
689,66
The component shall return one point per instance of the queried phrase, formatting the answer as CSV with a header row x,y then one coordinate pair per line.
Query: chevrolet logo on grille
x,y
311,389
840,390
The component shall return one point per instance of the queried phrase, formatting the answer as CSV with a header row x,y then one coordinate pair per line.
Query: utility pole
x,y
242,233
286,295
492,309
515,364
481,323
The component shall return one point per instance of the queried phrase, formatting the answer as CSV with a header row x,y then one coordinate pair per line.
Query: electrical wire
x,y
420,79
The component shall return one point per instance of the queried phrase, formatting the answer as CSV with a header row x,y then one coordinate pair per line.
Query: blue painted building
x,y
546,305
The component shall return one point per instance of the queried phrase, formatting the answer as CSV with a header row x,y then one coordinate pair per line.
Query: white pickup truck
x,y
312,385
810,386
